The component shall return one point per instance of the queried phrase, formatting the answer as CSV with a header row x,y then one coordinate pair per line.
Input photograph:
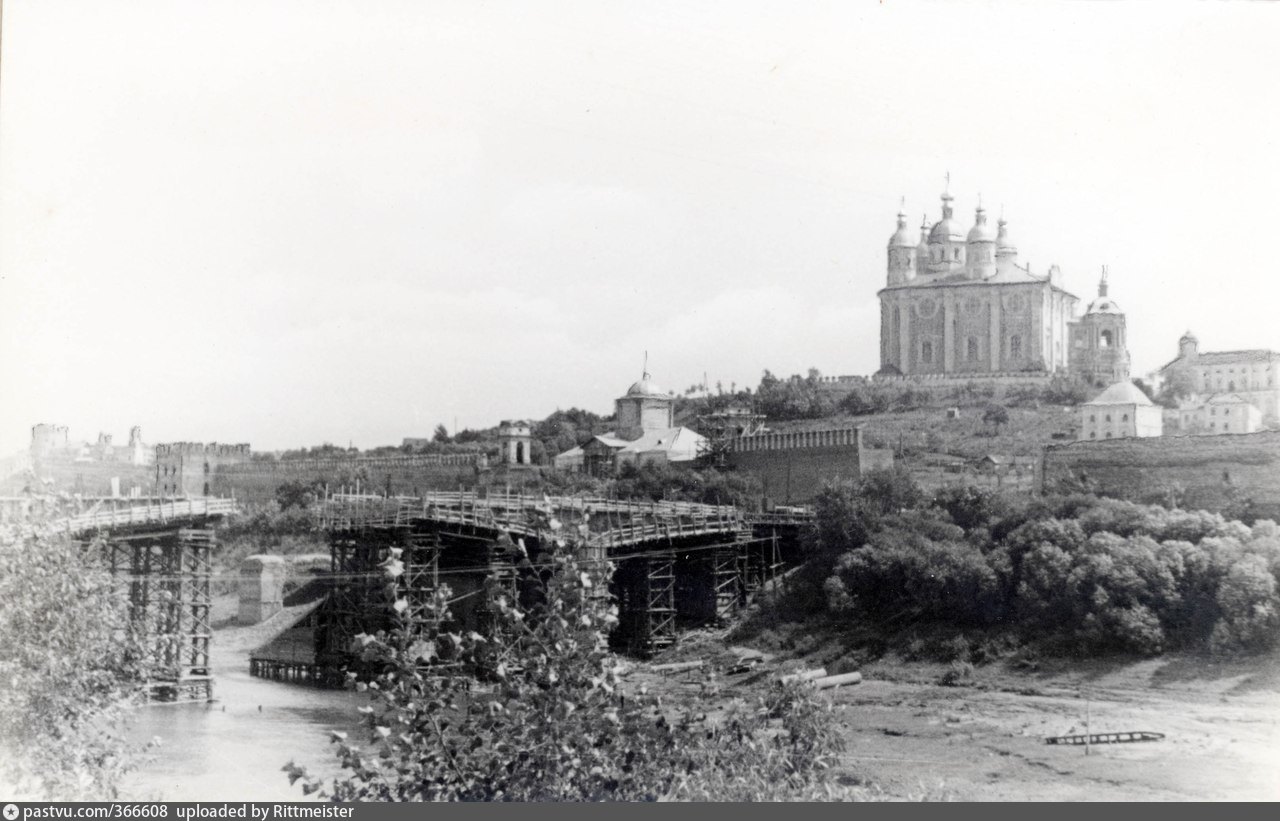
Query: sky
x,y
287,223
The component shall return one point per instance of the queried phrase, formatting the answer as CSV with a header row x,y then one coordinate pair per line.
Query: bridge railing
x,y
159,511
610,522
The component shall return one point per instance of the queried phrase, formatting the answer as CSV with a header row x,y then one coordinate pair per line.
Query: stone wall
x,y
793,467
1210,472
256,481
87,477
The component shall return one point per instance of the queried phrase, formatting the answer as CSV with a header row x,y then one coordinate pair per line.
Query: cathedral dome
x,y
946,230
1004,244
902,238
981,232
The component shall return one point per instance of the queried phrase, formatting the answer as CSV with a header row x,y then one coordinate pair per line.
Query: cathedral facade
x,y
959,304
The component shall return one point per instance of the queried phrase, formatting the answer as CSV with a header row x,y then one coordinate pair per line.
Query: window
x,y
956,254
1231,385
926,351
1226,411
1108,417
1108,434
1015,346
1093,434
1093,417
971,349
1225,426
1105,341
1124,418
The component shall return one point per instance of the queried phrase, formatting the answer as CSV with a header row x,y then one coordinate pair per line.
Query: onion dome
x,y
902,237
981,232
946,229
1004,245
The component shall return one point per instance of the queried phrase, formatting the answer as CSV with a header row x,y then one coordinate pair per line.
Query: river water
x,y
233,748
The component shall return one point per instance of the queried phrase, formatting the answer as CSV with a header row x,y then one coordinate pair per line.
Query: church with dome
x,y
959,304
646,434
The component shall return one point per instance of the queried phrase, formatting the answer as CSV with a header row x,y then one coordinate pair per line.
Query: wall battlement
x,y
203,449
836,437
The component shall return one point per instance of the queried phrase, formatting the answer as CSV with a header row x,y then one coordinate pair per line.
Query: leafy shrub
x,y
69,667
561,723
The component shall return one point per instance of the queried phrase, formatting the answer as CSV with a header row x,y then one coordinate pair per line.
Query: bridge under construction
x,y
160,553
676,564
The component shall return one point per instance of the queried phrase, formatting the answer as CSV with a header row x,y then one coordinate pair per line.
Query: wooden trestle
x,y
676,564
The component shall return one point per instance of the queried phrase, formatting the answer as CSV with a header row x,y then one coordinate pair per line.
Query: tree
x,y
441,434
562,724
69,671
995,415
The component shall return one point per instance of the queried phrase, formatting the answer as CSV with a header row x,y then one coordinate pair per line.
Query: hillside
x,y
928,430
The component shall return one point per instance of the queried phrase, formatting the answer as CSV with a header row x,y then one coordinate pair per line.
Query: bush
x,y
70,668
561,723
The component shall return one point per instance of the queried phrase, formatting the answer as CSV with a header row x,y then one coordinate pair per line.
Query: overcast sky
x,y
294,222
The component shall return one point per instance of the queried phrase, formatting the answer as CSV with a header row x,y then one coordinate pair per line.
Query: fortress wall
x,y
1204,471
90,478
793,467
397,475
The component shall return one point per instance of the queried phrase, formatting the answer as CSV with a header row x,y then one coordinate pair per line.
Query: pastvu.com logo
x,y
10,812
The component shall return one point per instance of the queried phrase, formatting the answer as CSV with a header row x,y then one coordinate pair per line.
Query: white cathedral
x,y
959,304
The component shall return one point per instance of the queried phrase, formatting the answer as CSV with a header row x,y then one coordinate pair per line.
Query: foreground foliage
x,y
558,721
68,671
1079,572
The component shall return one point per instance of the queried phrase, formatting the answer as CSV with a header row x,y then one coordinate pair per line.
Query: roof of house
x,y
1121,393
1227,358
651,440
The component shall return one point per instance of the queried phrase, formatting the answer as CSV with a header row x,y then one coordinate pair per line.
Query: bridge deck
x,y
157,512
601,523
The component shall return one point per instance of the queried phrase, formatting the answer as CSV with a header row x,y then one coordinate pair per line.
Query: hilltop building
x,y
960,304
187,468
1253,375
1099,352
1120,411
1220,413
646,434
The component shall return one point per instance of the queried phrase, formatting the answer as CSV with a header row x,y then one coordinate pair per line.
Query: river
x,y
233,748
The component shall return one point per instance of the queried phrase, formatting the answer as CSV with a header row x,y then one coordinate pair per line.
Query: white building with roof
x,y
1120,411
960,304
1253,375
1220,413
646,434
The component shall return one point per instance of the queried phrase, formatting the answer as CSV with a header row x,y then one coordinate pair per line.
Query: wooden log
x,y
676,667
828,682
805,675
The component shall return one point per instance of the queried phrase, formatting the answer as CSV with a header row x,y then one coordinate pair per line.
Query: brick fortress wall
x,y
793,467
257,480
